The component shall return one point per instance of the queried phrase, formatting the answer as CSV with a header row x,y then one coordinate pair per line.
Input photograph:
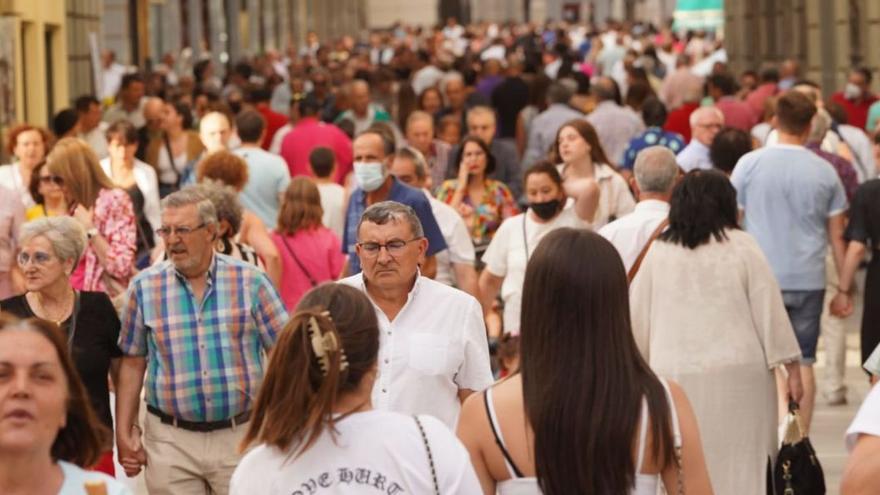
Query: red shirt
x,y
307,135
274,121
856,110
757,98
737,113
679,120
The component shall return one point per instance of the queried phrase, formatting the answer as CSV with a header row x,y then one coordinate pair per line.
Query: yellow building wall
x,y
35,99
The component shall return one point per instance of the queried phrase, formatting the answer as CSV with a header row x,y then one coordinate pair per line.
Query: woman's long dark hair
x,y
583,377
703,205
490,158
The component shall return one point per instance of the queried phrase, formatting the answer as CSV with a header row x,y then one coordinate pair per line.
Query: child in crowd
x,y
322,161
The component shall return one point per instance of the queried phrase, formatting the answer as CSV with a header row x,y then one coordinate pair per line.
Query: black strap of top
x,y
495,433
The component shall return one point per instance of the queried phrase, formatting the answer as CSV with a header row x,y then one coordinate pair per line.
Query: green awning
x,y
699,14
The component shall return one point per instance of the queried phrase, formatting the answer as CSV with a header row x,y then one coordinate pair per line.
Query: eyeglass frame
x,y
33,259
379,246
182,231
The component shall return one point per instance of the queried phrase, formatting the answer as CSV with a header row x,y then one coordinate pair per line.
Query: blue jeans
x,y
804,309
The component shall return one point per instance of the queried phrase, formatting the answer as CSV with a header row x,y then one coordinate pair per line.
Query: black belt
x,y
198,425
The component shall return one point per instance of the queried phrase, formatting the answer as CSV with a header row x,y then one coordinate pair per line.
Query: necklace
x,y
38,297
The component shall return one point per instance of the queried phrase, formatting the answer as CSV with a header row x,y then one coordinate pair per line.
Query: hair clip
x,y
325,343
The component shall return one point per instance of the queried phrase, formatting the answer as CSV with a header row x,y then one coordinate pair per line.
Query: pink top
x,y
737,113
320,253
114,219
308,134
11,219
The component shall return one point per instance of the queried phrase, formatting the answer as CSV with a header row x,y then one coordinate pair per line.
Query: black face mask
x,y
547,209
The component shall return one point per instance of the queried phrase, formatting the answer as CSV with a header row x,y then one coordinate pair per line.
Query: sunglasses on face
x,y
38,258
54,179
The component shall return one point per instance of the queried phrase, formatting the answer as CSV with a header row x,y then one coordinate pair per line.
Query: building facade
x,y
827,37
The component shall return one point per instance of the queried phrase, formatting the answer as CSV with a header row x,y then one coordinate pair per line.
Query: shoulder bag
x,y
298,262
797,470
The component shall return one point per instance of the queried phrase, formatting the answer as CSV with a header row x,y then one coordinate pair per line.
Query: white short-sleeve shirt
x,y
867,420
509,251
435,347
377,452
629,234
615,198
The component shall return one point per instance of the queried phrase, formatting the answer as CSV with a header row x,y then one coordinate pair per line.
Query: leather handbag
x,y
797,470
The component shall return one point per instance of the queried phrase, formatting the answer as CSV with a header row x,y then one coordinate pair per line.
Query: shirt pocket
x,y
428,353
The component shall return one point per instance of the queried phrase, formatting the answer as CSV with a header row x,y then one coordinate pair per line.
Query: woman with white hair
x,y
50,249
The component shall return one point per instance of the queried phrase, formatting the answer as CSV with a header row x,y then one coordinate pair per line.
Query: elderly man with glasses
x,y
433,351
705,124
197,324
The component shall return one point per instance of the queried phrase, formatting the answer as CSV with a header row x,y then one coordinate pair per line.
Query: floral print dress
x,y
483,219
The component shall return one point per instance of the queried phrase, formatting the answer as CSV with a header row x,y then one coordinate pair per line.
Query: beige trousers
x,y
833,332
182,462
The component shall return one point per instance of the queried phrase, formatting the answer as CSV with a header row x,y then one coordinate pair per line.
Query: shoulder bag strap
x,y
638,263
430,455
171,159
298,262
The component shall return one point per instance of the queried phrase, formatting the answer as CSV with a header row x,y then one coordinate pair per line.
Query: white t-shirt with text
x,y
377,452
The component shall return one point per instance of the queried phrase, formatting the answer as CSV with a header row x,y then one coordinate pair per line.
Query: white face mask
x,y
369,176
852,92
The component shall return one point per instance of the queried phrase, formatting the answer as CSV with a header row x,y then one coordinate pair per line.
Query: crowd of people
x,y
457,259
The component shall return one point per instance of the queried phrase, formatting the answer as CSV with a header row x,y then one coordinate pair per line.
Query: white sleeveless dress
x,y
645,484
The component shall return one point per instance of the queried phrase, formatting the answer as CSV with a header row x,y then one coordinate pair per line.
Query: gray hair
x,y
417,158
655,169
225,201
821,126
192,196
448,78
65,234
559,92
392,211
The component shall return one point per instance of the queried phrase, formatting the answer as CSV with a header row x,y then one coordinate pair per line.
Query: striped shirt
x,y
204,359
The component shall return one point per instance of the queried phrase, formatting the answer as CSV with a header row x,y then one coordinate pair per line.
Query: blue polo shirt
x,y
402,193
787,194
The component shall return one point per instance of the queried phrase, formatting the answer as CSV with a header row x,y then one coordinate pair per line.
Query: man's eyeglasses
x,y
38,258
710,126
166,232
394,247
54,179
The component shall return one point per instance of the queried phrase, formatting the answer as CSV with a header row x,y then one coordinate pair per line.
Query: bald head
x,y
705,123
153,111
215,131
359,94
655,170
604,89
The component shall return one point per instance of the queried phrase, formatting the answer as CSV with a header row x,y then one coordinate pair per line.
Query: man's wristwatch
x,y
92,233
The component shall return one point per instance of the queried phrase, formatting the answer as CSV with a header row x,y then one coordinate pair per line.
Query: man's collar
x,y
211,274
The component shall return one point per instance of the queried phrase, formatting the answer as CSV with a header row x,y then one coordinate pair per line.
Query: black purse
x,y
797,471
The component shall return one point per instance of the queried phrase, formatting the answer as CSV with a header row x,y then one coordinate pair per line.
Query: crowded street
x,y
313,247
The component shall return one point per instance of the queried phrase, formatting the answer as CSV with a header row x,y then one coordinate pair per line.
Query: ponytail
x,y
309,368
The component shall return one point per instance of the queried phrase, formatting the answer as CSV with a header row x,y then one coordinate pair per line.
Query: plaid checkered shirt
x,y
204,359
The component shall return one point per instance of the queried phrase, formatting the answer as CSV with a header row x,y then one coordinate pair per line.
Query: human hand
x,y
132,455
463,174
841,305
794,384
580,187
84,216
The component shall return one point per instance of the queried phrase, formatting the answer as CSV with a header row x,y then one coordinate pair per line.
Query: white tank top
x,y
645,484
